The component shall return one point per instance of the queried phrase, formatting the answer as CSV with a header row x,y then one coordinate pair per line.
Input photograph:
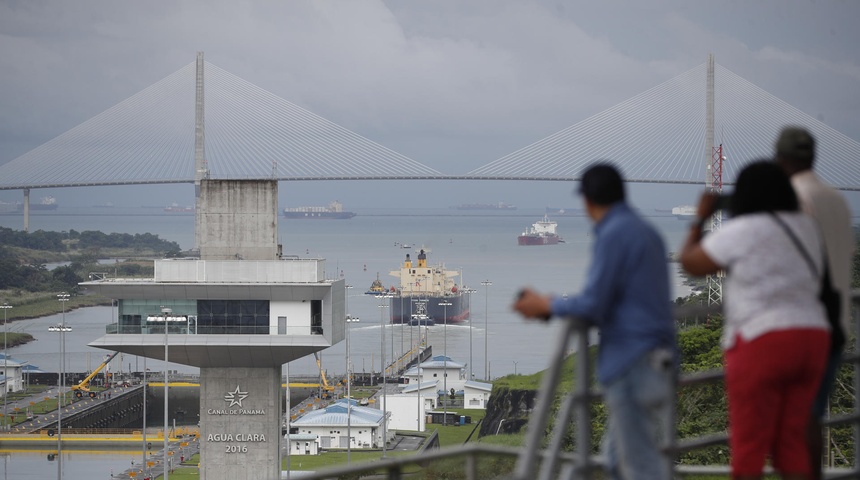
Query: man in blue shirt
x,y
626,296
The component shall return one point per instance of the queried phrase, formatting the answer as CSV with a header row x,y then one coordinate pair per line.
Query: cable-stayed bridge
x,y
657,136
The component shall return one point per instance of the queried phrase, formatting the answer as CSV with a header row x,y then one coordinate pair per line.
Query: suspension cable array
x,y
251,133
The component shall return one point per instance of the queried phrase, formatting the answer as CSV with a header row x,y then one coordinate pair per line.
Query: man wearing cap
x,y
627,297
795,153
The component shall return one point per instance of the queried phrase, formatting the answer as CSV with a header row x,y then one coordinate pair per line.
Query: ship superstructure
x,y
542,232
429,290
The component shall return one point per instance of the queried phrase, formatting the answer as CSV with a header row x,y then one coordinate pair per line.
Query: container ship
x,y
334,211
485,206
176,208
542,232
422,289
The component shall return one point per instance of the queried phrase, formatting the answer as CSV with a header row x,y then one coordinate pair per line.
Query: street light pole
x,y
165,312
445,306
349,320
5,308
63,297
418,391
382,306
486,284
144,412
469,291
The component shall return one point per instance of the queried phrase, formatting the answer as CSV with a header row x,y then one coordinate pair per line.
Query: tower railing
x,y
536,461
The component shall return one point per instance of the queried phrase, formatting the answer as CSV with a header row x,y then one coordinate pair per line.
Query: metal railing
x,y
535,462
202,329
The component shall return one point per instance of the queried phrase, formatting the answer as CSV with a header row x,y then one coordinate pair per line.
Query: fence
x,y
532,462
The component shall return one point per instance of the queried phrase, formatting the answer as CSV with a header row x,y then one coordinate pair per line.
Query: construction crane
x,y
326,388
84,386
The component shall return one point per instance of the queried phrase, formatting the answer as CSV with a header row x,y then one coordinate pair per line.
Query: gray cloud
x,y
452,84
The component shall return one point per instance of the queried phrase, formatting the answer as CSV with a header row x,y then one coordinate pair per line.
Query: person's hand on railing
x,y
532,305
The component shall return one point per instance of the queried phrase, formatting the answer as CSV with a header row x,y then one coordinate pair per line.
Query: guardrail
x,y
533,462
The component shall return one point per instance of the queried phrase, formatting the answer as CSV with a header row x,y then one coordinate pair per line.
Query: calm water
x,y
482,246
76,465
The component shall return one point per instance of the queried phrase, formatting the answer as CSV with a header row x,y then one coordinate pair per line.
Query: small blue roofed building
x,y
329,427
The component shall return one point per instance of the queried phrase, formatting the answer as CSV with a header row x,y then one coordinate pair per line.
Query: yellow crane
x,y
84,386
327,389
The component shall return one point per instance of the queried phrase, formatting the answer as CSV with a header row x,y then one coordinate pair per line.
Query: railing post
x,y
576,397
395,473
471,466
670,429
856,317
582,389
537,424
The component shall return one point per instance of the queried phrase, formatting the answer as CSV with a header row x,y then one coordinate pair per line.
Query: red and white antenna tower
x,y
714,178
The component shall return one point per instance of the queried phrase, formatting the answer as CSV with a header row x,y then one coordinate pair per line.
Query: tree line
x,y
87,239
82,247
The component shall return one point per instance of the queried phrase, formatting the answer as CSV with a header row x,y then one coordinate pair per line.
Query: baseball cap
x,y
795,142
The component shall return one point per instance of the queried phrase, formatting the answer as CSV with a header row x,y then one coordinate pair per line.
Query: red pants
x,y
771,383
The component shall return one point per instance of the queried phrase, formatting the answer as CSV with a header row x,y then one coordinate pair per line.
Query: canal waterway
x,y
40,465
482,246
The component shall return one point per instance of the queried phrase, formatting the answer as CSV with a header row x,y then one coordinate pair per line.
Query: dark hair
x,y
763,187
602,184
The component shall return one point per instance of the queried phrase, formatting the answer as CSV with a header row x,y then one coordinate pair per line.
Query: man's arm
x,y
605,275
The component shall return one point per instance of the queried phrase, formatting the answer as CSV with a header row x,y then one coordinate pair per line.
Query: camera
x,y
723,202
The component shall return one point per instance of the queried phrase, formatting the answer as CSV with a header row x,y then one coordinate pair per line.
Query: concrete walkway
x,y
40,421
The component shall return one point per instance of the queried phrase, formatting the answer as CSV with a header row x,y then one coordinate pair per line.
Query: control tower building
x,y
239,312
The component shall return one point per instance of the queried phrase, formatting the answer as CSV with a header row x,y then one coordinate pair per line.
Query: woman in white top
x,y
776,335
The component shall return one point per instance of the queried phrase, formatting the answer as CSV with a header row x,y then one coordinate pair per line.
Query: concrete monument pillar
x,y
240,423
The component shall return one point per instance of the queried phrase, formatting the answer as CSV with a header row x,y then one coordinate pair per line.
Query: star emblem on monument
x,y
235,397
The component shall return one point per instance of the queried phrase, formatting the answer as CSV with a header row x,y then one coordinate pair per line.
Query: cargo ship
x,y
427,295
46,203
684,212
10,207
334,211
564,212
176,208
542,232
485,206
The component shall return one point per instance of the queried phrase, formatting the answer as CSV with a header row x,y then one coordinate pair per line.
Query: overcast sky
x,y
452,84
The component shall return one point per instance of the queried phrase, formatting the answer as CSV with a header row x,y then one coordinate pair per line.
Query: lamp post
x,y
486,284
5,308
469,291
349,320
165,313
382,306
346,309
144,412
445,306
63,297
165,318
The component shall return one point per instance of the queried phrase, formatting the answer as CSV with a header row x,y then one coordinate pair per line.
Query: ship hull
x,y
457,312
319,215
537,240
39,206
